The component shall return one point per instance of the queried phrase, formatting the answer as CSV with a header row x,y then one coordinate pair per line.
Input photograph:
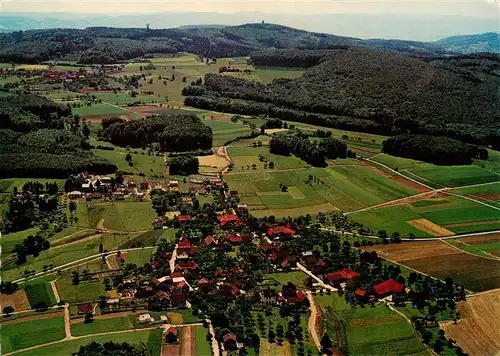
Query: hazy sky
x,y
477,8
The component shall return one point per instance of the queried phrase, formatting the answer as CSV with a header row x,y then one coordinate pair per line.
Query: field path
x,y
317,279
493,257
55,291
172,259
67,322
215,344
188,341
312,320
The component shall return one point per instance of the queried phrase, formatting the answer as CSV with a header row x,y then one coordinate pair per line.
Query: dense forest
x,y
39,138
183,165
434,149
108,45
374,91
312,152
170,132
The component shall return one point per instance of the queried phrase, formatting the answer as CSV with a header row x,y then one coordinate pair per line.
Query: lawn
x,y
298,278
245,157
203,347
70,347
153,237
41,292
21,335
141,162
9,241
98,109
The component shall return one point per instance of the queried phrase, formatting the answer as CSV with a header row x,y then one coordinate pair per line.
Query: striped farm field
x,y
444,212
338,187
441,259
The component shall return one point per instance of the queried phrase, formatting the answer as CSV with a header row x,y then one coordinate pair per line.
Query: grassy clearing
x,y
21,335
41,292
8,185
245,157
124,98
9,241
70,347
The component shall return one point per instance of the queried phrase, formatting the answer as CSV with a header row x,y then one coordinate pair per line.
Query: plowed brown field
x,y
478,330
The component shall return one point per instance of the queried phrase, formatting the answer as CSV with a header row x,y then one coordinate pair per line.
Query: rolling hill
x,y
486,42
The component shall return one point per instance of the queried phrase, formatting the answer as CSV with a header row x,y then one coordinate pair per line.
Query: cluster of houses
x,y
58,76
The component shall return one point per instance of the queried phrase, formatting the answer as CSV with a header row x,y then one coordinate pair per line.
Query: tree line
x,y
435,149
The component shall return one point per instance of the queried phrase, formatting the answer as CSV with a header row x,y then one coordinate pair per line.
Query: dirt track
x,y
188,343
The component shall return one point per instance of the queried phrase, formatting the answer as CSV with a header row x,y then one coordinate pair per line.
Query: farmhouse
x,y
144,318
209,241
341,276
388,287
280,230
84,308
171,335
268,297
225,220
229,341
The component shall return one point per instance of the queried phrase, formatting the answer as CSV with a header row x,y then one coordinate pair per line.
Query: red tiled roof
x,y
360,292
346,273
85,308
184,217
176,275
172,331
234,238
301,296
204,281
224,219
209,240
219,272
388,286
184,243
228,337
186,266
268,247
280,230
162,295
321,263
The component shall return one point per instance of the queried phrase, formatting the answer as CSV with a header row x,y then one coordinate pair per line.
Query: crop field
x,y
439,176
104,323
83,292
441,260
371,330
224,131
72,346
489,193
454,214
41,292
336,187
245,157
483,245
140,257
98,109
67,253
124,98
203,347
477,330
17,300
20,335
142,162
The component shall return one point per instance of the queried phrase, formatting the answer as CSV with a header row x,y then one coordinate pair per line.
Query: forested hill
x,y
485,42
107,45
375,91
